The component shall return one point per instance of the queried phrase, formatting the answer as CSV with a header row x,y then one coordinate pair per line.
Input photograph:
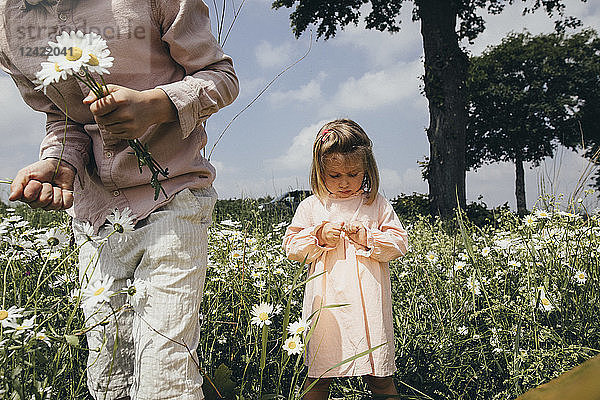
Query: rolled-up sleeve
x,y
389,240
210,82
300,240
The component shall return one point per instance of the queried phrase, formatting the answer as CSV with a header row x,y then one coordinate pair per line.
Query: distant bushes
x,y
411,207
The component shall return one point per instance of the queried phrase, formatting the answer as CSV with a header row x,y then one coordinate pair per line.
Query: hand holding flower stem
x,y
123,112
127,114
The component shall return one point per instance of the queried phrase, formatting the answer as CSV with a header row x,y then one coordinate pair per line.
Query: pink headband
x,y
325,133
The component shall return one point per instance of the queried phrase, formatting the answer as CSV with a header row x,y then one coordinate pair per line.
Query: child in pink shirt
x,y
348,231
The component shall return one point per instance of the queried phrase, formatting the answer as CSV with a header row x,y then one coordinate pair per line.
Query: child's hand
x,y
46,184
329,234
357,233
128,113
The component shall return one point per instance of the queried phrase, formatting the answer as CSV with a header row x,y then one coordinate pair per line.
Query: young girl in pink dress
x,y
351,232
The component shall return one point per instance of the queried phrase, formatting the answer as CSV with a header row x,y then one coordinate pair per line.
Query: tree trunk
x,y
445,75
520,186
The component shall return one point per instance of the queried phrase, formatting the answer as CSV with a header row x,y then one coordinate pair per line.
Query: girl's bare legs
x,y
381,385
320,391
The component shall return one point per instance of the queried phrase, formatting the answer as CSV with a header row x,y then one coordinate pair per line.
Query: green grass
x,y
470,322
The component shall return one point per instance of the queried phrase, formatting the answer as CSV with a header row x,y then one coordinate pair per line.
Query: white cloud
x,y
271,56
310,92
392,182
298,155
384,48
250,87
376,89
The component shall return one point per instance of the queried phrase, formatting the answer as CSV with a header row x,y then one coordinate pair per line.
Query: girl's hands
x,y
357,233
128,113
329,234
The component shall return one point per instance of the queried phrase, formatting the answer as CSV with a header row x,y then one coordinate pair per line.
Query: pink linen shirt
x,y
162,44
348,274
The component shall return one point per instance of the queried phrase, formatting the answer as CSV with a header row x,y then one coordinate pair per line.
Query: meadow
x,y
482,310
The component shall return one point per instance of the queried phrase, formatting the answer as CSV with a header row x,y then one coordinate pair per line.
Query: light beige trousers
x,y
146,351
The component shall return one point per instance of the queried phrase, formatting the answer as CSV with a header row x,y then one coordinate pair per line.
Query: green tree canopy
x,y
443,24
528,95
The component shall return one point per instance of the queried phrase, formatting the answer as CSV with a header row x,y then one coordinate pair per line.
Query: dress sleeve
x,y
65,139
300,241
210,82
389,240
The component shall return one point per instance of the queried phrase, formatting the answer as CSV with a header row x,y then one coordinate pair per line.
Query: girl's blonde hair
x,y
345,138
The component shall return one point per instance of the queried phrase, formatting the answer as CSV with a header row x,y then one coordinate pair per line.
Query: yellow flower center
x,y
93,60
99,291
292,345
3,314
300,330
263,316
74,53
581,276
20,328
545,301
57,68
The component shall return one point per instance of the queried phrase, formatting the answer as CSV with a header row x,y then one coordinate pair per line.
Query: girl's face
x,y
343,177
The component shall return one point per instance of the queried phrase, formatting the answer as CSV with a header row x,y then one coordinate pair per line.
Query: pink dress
x,y
354,276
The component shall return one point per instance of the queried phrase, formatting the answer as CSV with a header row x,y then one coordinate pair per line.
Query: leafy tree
x,y
443,24
526,96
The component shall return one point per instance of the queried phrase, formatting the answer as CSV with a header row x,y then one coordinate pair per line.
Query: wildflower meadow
x,y
481,311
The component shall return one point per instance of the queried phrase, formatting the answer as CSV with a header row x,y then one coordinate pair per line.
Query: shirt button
x,y
108,154
62,17
116,193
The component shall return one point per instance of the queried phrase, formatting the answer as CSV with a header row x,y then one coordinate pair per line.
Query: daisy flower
x,y
100,59
293,345
53,237
42,337
121,221
431,257
485,251
463,330
261,314
278,271
73,51
235,254
298,328
545,303
87,234
542,214
136,291
24,326
9,315
580,277
256,274
49,74
97,291
514,264
459,265
473,285
529,220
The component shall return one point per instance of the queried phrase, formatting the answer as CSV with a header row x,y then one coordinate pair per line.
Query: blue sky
x,y
371,77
